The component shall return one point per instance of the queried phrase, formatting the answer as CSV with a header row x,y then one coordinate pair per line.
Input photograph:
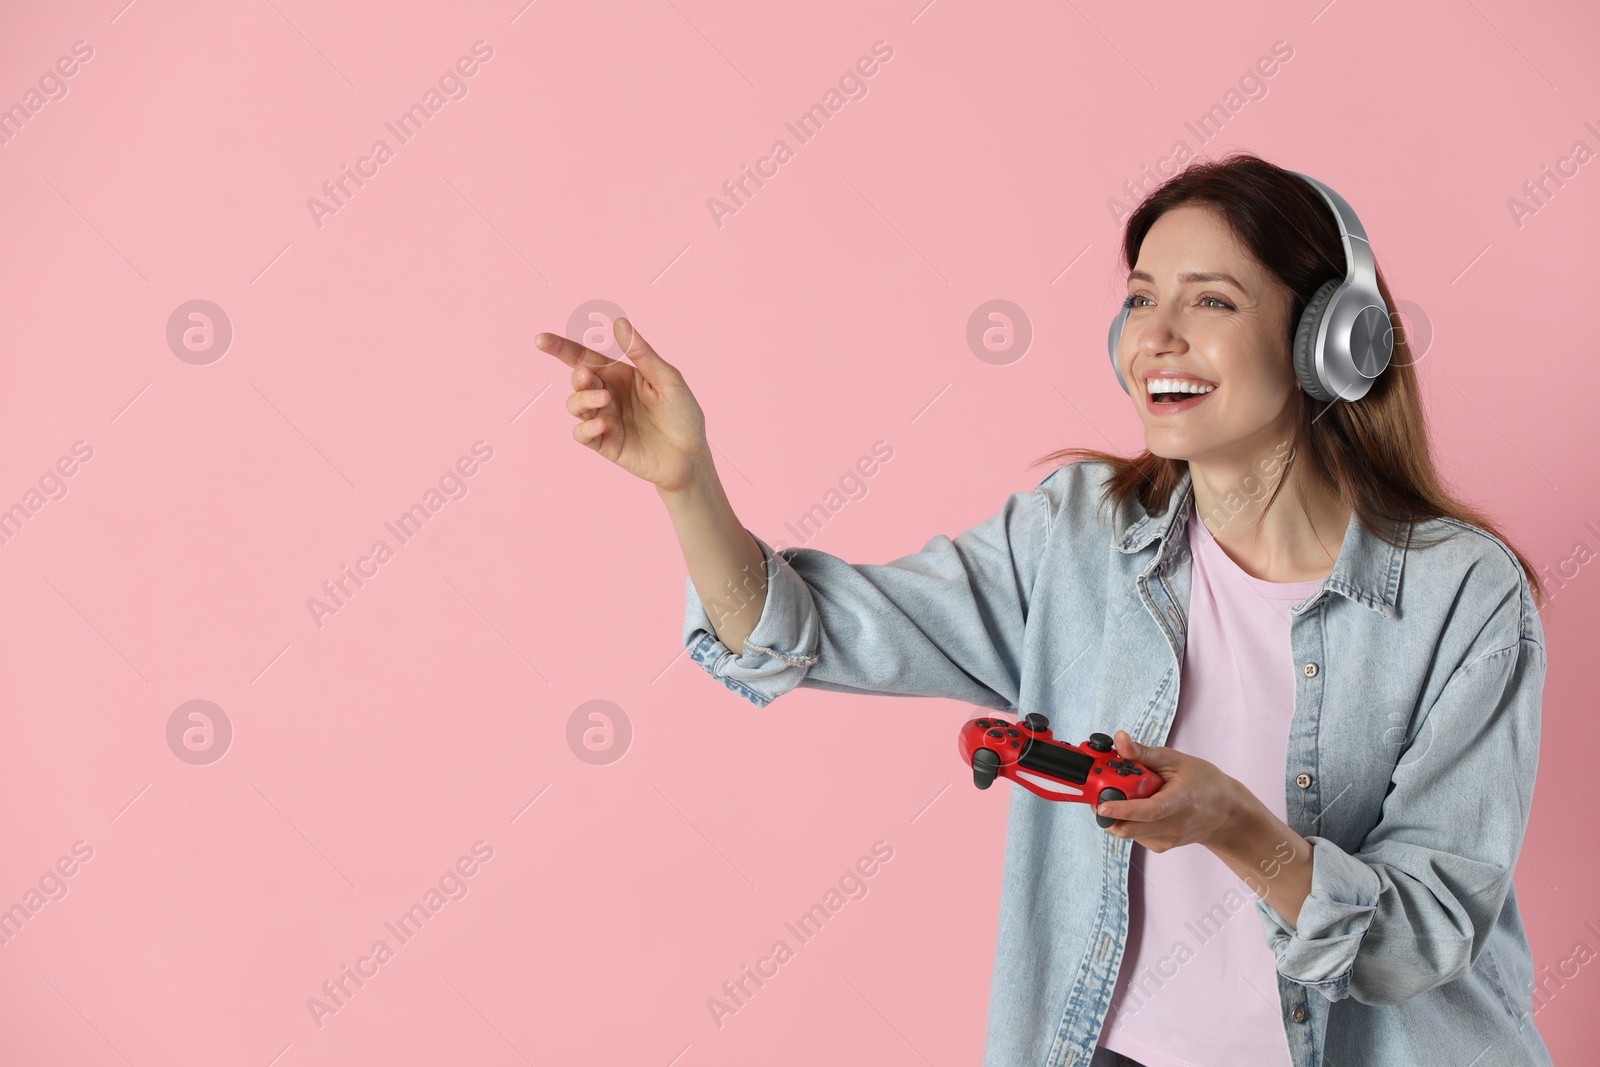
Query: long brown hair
x,y
1374,452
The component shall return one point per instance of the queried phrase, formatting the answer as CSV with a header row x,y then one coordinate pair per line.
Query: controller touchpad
x,y
1054,760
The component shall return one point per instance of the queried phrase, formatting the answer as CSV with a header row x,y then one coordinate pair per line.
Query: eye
x,y
1133,301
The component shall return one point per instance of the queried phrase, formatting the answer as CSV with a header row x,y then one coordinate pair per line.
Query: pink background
x,y
369,353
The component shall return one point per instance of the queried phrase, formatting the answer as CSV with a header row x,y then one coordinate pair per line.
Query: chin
x,y
1169,450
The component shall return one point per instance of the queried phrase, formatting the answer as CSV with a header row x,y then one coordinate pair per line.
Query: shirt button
x,y
1299,1015
1302,779
1311,670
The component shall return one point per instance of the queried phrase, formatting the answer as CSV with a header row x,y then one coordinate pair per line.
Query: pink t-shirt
x,y
1198,982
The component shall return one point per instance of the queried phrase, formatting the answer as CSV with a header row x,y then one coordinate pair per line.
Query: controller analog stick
x,y
1108,794
1036,722
985,765
1100,742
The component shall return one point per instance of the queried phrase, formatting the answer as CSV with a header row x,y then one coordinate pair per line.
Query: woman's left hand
x,y
1196,803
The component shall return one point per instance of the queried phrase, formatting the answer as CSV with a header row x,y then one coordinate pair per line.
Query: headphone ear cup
x,y
1113,338
1305,341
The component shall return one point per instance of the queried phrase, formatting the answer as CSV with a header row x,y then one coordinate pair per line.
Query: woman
x,y
1340,689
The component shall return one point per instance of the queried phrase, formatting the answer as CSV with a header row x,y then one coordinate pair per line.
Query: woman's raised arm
x,y
643,418
947,621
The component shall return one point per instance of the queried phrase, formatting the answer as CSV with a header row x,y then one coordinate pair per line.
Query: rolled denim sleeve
x,y
947,621
774,658
1414,906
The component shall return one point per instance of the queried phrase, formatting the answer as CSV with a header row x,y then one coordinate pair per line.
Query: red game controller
x,y
1026,753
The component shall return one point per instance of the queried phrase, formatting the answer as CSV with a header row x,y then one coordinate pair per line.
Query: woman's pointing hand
x,y
639,415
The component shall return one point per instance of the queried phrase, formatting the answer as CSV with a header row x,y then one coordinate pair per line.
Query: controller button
x,y
1100,742
1096,769
1108,793
985,723
997,733
985,766
1014,744
1013,733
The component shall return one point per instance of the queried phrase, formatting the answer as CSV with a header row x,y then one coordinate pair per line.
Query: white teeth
x,y
1176,385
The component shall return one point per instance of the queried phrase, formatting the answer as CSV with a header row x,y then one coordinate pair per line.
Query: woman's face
x,y
1189,322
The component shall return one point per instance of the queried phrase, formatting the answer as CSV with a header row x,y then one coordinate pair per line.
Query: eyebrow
x,y
1193,276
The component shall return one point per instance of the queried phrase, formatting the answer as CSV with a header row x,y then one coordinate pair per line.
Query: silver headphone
x,y
1344,339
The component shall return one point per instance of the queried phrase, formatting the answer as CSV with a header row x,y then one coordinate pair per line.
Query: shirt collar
x,y
1367,570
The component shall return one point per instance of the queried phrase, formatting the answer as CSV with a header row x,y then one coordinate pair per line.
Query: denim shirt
x,y
1418,674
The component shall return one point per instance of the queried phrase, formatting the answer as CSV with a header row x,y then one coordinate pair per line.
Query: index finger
x,y
571,352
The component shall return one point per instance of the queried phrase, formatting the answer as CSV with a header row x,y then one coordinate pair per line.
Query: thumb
x,y
655,370
1148,755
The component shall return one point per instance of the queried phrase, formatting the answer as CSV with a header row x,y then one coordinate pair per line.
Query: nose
x,y
1154,332
1153,335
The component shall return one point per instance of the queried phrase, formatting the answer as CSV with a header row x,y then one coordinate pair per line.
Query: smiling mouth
x,y
1178,396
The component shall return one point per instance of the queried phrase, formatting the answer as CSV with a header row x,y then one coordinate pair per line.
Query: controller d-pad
x,y
1001,722
985,723
997,733
1013,733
